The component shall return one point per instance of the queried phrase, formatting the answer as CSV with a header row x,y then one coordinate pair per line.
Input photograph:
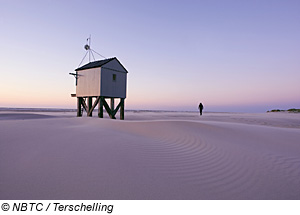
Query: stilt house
x,y
103,79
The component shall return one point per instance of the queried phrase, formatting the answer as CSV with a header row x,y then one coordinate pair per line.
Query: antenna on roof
x,y
89,50
88,47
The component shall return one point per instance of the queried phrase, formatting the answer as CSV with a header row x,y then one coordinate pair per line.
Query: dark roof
x,y
95,64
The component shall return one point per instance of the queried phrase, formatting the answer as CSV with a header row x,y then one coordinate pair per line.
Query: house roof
x,y
94,64
98,63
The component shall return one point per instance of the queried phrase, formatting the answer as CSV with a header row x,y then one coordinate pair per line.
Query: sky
x,y
231,55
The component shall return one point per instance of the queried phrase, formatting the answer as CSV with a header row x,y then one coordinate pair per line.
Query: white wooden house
x,y
101,80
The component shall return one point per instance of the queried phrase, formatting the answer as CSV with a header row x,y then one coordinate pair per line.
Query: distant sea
x,y
74,110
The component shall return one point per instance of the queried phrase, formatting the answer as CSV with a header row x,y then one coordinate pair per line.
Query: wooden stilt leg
x,y
112,106
90,104
122,109
100,108
79,101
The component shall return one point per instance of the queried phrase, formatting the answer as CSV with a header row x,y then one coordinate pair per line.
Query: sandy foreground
x,y
149,155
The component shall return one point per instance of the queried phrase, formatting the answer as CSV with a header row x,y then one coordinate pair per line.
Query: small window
x,y
114,77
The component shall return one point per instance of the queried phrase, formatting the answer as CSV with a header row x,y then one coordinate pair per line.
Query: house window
x,y
114,77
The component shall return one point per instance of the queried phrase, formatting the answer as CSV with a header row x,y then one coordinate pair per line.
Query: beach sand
x,y
149,155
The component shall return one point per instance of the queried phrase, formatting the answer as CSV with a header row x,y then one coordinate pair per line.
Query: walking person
x,y
200,107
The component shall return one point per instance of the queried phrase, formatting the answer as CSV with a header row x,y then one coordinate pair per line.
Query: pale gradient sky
x,y
232,55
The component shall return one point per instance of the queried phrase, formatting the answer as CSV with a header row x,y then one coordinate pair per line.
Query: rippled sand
x,y
150,155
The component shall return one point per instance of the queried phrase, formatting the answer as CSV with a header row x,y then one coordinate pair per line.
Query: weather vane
x,y
91,52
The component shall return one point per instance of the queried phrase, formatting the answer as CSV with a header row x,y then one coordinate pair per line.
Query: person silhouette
x,y
200,107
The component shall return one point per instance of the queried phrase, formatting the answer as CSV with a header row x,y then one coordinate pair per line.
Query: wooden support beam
x,y
93,107
107,108
122,109
112,107
112,104
117,108
100,107
84,105
90,104
79,102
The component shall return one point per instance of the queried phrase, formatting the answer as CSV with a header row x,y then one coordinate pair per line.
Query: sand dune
x,y
23,116
150,156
